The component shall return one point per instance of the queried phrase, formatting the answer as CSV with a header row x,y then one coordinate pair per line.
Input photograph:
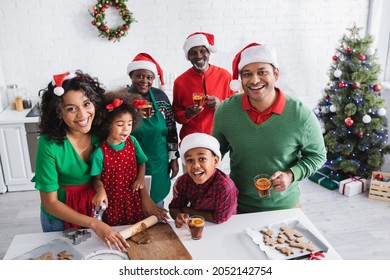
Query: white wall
x,y
44,37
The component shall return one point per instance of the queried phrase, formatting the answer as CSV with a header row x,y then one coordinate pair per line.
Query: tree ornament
x,y
339,159
349,121
382,112
354,31
356,85
348,50
377,87
337,73
379,177
341,85
332,108
335,57
366,119
98,13
360,134
362,57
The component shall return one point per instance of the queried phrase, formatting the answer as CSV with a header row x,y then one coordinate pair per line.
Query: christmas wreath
x,y
98,13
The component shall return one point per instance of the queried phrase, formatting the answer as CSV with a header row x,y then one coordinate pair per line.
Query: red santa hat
x,y
57,81
147,62
199,140
253,52
199,39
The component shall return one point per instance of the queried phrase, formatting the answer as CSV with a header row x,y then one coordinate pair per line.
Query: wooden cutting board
x,y
164,245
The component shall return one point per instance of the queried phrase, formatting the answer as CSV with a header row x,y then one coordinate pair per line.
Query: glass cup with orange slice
x,y
263,185
196,225
198,99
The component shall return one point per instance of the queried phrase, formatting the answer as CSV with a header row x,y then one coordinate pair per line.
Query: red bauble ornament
x,y
377,87
348,50
335,57
360,134
327,96
349,121
379,177
341,85
362,57
356,85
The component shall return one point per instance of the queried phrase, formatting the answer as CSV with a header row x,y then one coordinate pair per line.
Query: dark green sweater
x,y
292,140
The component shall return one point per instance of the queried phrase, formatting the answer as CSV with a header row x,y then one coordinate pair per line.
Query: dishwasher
x,y
32,131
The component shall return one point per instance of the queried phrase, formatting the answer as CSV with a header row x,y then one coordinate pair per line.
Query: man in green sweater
x,y
266,131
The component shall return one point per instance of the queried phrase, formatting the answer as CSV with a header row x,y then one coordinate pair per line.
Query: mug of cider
x,y
198,99
147,110
263,185
196,225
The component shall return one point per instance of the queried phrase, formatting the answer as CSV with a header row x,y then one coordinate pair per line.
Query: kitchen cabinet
x,y
15,157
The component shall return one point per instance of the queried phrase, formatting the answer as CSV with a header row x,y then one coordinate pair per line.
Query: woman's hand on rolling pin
x,y
109,236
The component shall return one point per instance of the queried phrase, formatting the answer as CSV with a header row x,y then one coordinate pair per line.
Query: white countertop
x,y
9,116
220,241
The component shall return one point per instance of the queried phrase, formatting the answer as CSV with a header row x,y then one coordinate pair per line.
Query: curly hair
x,y
126,107
51,123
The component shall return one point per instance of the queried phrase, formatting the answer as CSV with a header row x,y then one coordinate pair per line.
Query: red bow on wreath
x,y
139,103
115,104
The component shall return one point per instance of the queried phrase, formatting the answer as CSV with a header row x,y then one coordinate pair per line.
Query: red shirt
x,y
256,116
218,194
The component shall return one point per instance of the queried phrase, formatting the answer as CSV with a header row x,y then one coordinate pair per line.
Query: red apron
x,y
79,198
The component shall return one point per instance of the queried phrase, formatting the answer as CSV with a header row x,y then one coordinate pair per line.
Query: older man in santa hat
x,y
209,80
266,131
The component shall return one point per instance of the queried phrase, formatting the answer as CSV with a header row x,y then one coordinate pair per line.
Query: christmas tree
x,y
352,112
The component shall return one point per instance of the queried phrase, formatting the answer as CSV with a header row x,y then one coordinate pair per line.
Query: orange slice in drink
x,y
197,222
263,184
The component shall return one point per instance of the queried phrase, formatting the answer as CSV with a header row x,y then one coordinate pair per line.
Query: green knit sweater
x,y
292,140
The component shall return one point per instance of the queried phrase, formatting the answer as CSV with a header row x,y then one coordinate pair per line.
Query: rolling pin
x,y
136,228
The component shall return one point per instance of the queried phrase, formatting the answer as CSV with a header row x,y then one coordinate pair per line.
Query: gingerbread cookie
x,y
45,256
302,245
267,232
64,256
269,241
281,239
142,237
291,233
285,250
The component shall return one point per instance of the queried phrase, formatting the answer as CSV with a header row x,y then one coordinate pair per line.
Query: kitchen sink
x,y
34,112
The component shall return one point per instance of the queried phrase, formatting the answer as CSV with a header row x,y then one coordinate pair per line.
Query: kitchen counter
x,y
9,116
226,241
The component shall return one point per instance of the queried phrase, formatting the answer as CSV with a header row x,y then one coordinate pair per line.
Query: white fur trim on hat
x,y
235,85
196,41
142,64
199,140
261,53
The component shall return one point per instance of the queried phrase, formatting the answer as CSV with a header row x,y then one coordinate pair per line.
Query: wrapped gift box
x,y
327,178
353,186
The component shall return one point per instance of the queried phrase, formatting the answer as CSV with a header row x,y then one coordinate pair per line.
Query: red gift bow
x,y
115,104
139,103
353,180
316,256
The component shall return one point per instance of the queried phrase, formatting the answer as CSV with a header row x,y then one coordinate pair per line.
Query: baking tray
x,y
274,254
55,246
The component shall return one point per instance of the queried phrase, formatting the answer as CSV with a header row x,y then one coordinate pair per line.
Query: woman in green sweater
x,y
266,131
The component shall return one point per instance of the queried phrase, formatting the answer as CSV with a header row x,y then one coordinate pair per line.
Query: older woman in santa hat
x,y
157,133
267,131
